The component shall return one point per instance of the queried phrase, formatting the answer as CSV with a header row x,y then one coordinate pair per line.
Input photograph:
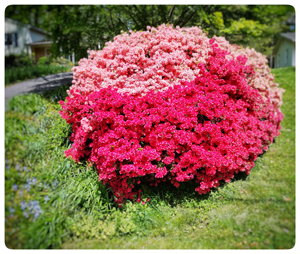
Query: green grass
x,y
17,74
255,212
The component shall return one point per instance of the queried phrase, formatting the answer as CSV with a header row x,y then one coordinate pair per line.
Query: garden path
x,y
37,85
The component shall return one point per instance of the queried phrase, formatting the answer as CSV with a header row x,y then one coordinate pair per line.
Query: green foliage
x,y
217,19
28,105
88,228
61,61
77,28
18,60
243,26
27,14
17,74
248,33
58,61
256,26
47,232
43,60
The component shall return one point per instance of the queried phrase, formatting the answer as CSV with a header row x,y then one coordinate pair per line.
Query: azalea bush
x,y
171,105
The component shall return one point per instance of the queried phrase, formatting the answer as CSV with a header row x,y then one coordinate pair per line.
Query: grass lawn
x,y
52,202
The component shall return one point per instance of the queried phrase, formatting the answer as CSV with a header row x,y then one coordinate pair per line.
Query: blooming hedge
x,y
179,109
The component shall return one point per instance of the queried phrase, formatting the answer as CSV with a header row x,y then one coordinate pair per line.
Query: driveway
x,y
37,85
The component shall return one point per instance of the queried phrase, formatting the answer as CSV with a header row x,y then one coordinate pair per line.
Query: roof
x,y
289,36
38,30
32,28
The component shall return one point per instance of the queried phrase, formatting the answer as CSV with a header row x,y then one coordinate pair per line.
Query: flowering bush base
x,y
203,130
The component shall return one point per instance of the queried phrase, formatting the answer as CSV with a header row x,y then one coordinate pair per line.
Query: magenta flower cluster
x,y
205,130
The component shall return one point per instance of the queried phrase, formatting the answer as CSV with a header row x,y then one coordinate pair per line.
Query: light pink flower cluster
x,y
161,57
139,62
205,130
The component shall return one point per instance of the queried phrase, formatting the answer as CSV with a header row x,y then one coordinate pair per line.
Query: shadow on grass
x,y
173,196
52,85
56,93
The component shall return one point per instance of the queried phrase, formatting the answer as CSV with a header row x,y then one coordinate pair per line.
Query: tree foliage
x,y
77,28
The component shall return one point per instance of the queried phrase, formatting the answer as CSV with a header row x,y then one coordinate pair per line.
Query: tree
x,y
27,14
81,27
256,26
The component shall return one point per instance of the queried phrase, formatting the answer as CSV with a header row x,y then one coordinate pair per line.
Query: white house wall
x,y
280,60
293,57
24,36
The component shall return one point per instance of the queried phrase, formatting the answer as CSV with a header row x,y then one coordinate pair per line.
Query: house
x,y
26,39
284,51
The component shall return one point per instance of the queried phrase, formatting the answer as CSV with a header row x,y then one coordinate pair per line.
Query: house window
x,y
8,39
286,58
11,39
278,60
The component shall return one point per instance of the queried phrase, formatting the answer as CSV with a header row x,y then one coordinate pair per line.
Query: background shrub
x,y
44,67
43,60
18,61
